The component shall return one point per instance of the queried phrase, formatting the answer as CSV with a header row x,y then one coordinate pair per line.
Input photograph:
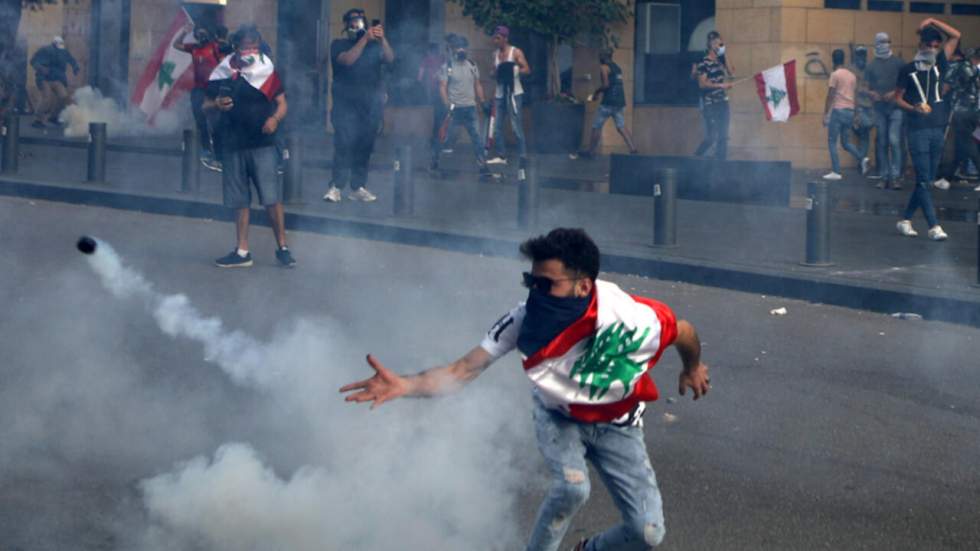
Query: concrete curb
x,y
815,288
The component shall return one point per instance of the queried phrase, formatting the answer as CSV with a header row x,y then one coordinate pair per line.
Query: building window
x,y
886,5
927,7
842,4
965,9
671,36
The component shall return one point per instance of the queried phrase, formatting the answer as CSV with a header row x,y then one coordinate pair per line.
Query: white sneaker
x,y
332,195
976,188
865,165
936,233
831,176
447,150
905,228
497,161
941,183
362,194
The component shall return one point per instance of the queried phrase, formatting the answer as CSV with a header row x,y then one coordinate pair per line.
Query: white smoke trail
x,y
89,105
433,475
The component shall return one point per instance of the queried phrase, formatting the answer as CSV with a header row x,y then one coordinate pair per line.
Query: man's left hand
x,y
270,126
377,32
696,379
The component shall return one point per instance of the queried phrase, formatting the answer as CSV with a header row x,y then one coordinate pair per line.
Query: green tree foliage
x,y
559,21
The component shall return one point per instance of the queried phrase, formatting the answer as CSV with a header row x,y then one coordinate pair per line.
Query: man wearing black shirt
x,y
919,93
612,105
357,103
246,90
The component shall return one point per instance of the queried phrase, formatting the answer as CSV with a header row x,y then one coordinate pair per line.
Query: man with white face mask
x,y
919,93
712,72
880,77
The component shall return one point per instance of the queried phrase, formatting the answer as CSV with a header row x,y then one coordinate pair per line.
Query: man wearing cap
x,y
356,60
509,63
50,65
880,77
918,92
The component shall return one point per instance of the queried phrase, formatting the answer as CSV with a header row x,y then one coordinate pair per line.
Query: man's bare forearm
x,y
688,345
449,378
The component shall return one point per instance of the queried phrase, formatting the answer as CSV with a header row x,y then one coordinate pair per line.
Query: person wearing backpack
x,y
461,93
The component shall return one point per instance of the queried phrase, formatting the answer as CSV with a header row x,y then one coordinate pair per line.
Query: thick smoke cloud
x,y
415,474
89,105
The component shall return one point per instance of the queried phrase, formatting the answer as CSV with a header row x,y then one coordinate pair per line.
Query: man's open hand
x,y
696,379
382,387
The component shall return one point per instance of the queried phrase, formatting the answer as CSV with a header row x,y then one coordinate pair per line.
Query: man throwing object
x,y
587,346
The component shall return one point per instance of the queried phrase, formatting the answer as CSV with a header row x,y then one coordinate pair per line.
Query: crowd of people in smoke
x,y
913,108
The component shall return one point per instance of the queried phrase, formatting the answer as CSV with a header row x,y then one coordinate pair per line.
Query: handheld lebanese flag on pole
x,y
777,91
596,369
167,75
255,68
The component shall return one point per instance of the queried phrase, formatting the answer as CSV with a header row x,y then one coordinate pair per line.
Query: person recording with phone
x,y
247,92
358,102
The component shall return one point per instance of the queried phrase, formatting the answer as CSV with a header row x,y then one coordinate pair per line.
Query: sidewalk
x,y
752,248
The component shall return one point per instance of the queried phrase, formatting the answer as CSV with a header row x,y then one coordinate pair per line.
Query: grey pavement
x,y
763,244
826,428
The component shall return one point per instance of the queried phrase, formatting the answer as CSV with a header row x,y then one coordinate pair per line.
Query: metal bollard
x,y
11,143
96,152
527,192
292,182
665,208
818,225
404,199
190,162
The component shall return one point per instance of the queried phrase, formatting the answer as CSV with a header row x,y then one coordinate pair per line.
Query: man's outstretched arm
x,y
695,374
387,385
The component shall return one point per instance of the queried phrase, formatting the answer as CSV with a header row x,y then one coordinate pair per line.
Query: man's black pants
x,y
201,118
355,125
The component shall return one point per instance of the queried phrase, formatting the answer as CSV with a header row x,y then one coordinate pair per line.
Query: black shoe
x,y
38,124
285,258
234,260
212,164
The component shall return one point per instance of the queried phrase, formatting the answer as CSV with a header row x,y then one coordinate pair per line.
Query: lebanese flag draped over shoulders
x,y
255,68
167,75
596,369
777,91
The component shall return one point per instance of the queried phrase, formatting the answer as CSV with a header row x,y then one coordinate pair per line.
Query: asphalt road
x,y
826,428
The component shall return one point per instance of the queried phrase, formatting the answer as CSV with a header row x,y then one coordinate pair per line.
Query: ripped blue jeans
x,y
620,456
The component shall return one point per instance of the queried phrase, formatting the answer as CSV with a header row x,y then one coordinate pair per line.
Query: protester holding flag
x,y
246,90
919,94
588,348
167,75
206,53
838,116
714,98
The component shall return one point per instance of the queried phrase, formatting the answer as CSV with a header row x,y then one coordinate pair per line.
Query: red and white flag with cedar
x,y
168,74
254,67
777,91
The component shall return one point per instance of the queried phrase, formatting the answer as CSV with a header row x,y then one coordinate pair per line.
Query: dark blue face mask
x,y
546,316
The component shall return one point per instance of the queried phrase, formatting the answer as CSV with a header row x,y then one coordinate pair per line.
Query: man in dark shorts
x,y
613,104
357,103
246,90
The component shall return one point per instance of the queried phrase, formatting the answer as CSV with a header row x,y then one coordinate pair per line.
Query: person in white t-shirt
x,y
587,347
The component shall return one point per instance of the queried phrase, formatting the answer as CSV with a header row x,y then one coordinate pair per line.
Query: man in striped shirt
x,y
587,347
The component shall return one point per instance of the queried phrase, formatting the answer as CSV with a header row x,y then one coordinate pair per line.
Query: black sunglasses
x,y
543,283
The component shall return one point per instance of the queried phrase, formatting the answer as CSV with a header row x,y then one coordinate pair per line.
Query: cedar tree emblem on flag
x,y
775,87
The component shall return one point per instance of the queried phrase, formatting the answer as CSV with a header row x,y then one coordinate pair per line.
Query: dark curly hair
x,y
572,246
